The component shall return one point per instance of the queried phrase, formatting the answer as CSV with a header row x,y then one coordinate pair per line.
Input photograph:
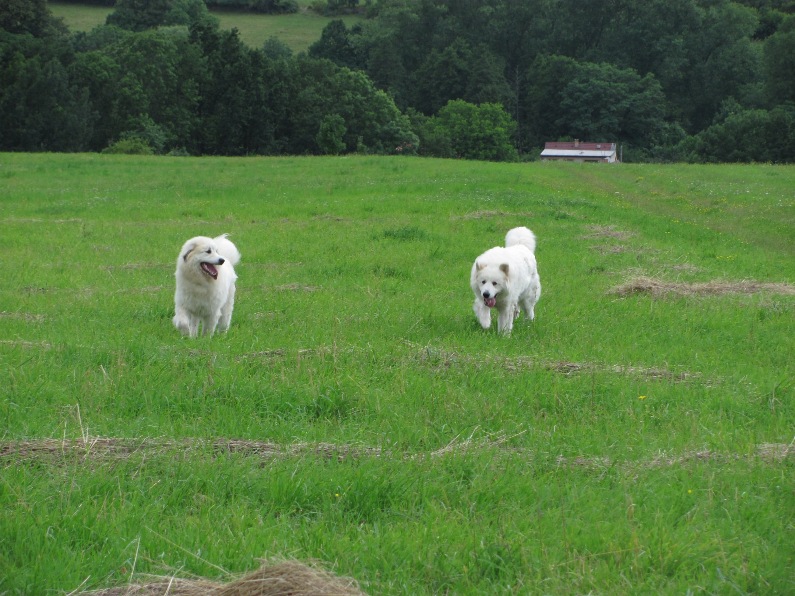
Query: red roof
x,y
583,146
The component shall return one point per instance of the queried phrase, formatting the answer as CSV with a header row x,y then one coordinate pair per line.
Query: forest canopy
x,y
688,80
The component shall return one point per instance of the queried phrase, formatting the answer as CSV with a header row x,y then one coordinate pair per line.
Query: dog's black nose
x,y
486,295
220,261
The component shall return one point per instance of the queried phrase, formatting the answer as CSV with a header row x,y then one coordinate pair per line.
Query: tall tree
x,y
100,74
467,131
543,86
139,15
28,16
748,135
442,77
605,103
372,121
40,109
723,62
779,62
235,113
335,44
160,72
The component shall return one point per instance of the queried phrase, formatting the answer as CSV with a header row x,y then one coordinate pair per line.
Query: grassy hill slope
x,y
298,31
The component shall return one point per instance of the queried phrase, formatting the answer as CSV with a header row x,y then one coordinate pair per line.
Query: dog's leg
x,y
505,318
181,322
208,325
483,313
193,327
528,306
226,311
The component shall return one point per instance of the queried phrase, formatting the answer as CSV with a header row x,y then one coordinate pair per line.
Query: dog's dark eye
x,y
483,282
209,250
494,283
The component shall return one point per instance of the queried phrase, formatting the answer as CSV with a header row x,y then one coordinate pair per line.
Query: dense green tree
x,y
486,82
606,103
159,72
139,15
236,108
464,130
256,6
442,77
99,38
539,104
701,52
723,63
748,136
335,44
599,102
330,137
641,73
579,29
385,66
779,64
276,49
651,37
272,6
99,74
394,46
29,16
41,109
515,30
372,121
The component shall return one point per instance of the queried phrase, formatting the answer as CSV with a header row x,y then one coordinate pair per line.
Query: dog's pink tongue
x,y
490,302
210,268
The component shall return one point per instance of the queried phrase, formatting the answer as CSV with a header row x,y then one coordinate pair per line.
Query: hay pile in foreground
x,y
283,578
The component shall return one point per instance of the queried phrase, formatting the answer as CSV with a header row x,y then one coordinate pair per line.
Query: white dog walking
x,y
205,285
507,279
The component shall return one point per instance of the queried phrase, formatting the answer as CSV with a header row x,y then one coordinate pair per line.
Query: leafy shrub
x,y
330,138
275,49
140,15
259,6
129,146
468,131
746,136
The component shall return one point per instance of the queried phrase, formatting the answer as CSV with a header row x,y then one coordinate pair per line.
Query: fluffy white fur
x,y
506,278
205,285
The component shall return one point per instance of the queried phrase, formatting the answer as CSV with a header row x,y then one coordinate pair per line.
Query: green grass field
x,y
637,438
298,31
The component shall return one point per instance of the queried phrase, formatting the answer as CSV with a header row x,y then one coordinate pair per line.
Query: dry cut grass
x,y
598,231
275,578
657,288
484,214
442,359
98,449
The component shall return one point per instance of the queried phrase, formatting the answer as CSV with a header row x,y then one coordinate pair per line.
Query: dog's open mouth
x,y
210,270
490,302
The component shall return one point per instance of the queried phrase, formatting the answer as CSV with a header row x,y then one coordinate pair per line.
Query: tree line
x,y
671,80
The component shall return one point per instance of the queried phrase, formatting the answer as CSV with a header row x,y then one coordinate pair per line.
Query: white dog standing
x,y
205,285
507,279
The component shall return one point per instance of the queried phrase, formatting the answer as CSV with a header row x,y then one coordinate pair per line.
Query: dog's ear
x,y
478,266
504,268
188,249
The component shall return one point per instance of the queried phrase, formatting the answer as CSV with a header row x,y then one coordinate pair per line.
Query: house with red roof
x,y
580,151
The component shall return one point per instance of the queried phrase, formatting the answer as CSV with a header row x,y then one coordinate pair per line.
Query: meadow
x,y
638,437
297,31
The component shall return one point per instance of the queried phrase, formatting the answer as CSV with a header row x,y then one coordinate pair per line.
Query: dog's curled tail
x,y
521,236
227,249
